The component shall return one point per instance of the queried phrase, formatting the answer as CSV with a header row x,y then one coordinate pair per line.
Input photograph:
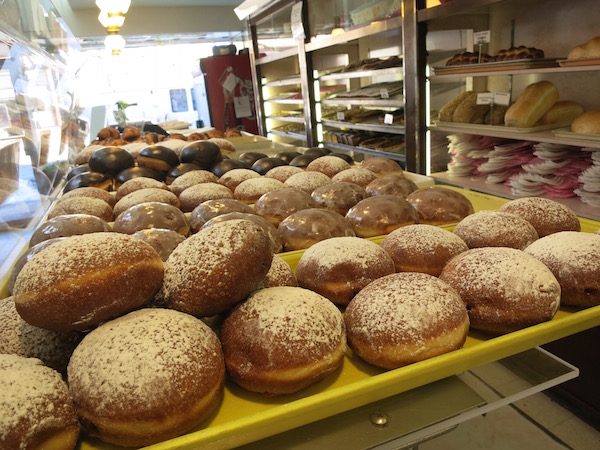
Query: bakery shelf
x,y
362,74
366,151
285,101
290,81
454,7
500,131
488,70
294,119
365,126
392,24
395,102
503,191
277,56
289,134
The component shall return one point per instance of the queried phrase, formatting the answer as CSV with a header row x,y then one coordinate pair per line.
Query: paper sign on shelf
x,y
481,37
502,98
384,93
341,116
485,98
388,119
296,19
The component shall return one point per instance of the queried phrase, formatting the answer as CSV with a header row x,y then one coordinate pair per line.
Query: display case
x,y
456,27
39,118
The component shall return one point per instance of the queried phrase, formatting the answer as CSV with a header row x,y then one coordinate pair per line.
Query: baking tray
x,y
500,66
244,417
475,126
579,62
567,133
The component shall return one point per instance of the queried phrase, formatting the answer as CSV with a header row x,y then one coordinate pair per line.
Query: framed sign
x,y
179,101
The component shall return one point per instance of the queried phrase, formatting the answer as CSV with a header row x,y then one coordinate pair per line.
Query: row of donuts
x,y
438,321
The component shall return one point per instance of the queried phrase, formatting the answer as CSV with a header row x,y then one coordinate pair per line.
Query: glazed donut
x,y
83,156
376,216
282,173
328,165
179,170
438,205
79,282
338,268
227,165
176,362
89,179
574,259
93,192
82,205
303,160
143,196
307,181
111,160
287,155
37,408
504,289
495,229
137,172
191,178
149,215
282,340
130,133
304,228
317,151
391,185
158,157
135,184
248,191
547,216
267,227
68,225
356,175
203,153
109,133
422,248
339,196
280,274
251,157
263,165
17,337
232,178
162,240
199,193
213,208
225,146
276,205
216,268
404,318
382,166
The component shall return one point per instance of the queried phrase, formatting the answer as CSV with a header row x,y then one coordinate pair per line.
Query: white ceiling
x,y
82,4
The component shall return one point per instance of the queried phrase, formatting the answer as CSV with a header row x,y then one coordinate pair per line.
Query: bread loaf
x,y
535,100
446,111
591,49
563,112
468,111
587,123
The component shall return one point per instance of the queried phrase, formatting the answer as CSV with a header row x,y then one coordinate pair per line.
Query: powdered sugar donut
x,y
307,181
328,165
212,208
93,192
250,190
82,205
574,259
37,409
190,178
422,248
282,173
547,216
234,177
280,274
199,193
356,175
504,289
338,268
495,229
138,183
404,318
177,365
143,196
282,340
213,270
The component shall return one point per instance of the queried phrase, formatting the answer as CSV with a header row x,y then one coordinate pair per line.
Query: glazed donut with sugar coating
x,y
162,240
216,268
282,173
380,215
81,281
276,205
304,228
146,377
82,205
307,181
250,190
90,191
152,215
191,178
404,318
280,274
138,183
357,175
547,216
495,229
438,205
504,289
37,409
68,225
329,165
212,208
338,268
143,196
199,193
422,248
391,185
382,166
234,177
267,227
282,340
339,196
574,259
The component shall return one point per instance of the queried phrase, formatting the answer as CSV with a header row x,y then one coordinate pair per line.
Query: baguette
x,y
535,100
587,123
563,112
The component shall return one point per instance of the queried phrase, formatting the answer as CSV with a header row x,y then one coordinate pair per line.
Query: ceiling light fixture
x,y
112,17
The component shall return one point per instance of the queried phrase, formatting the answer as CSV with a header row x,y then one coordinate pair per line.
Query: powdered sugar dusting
x,y
496,229
253,188
424,238
307,181
282,173
547,216
142,360
333,251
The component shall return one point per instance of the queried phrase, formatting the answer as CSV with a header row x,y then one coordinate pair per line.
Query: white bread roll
x,y
587,123
535,100
563,112
591,49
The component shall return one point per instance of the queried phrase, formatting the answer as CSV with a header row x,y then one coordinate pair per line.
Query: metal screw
x,y
379,419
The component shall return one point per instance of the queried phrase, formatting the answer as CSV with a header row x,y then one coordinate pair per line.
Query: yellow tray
x,y
245,417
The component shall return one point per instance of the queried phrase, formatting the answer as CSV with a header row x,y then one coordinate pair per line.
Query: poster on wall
x,y
179,101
